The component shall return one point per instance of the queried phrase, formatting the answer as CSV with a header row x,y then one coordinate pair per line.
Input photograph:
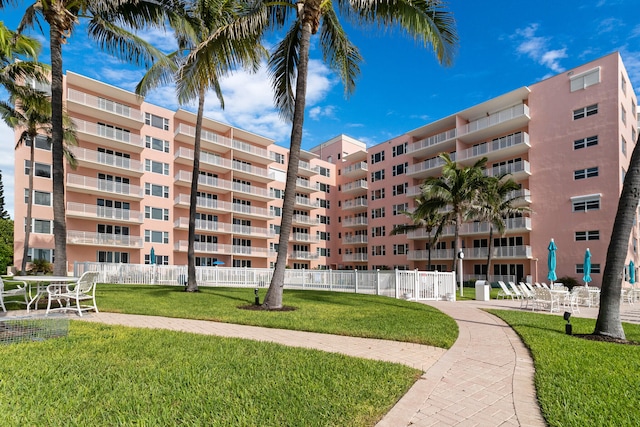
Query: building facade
x,y
566,140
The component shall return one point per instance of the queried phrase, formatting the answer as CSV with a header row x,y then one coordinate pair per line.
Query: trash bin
x,y
483,290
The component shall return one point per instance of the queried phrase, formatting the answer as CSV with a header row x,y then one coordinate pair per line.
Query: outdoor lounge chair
x,y
545,300
82,290
22,290
515,290
504,292
527,295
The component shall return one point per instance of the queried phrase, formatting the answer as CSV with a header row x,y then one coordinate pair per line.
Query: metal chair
x,y
22,290
83,290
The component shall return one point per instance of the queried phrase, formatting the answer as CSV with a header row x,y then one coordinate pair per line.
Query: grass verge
x,y
113,375
580,382
336,313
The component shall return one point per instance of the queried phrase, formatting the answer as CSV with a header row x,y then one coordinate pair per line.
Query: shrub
x,y
569,282
41,266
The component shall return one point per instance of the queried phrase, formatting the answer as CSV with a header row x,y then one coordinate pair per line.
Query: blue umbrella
x,y
632,272
587,268
551,261
152,257
216,262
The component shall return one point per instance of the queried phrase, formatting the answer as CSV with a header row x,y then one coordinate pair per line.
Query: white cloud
x,y
537,48
318,112
7,166
632,64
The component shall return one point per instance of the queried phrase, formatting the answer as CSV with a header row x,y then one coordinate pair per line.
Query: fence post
x,y
330,279
356,273
397,286
378,281
416,278
303,276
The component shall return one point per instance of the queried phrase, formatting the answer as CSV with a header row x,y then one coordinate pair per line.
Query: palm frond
x,y
283,66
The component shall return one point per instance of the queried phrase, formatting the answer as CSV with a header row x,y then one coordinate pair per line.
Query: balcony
x,y
209,141
430,167
303,255
251,191
107,162
501,122
354,258
208,162
306,202
436,254
100,239
500,252
87,185
355,240
118,139
359,204
518,170
520,197
250,172
355,187
358,221
209,205
255,232
356,170
499,148
202,225
304,237
101,213
221,186
304,220
305,186
305,169
104,109
250,153
220,249
431,146
249,211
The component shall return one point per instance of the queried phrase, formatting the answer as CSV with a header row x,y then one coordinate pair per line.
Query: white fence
x,y
407,284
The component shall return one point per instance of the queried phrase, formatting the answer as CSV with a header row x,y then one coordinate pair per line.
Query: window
x,y
323,235
156,213
42,142
398,209
623,115
595,268
156,236
585,112
586,79
156,121
42,170
585,173
116,257
278,158
35,253
377,176
623,84
323,252
400,169
40,198
275,211
378,231
585,142
113,229
377,158
400,249
587,235
623,145
113,106
377,194
323,219
323,203
633,110
113,132
324,171
399,149
157,144
156,167
377,213
41,226
156,190
400,189
586,203
378,250
160,259
324,187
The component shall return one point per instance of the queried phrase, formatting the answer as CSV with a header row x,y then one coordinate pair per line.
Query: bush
x,y
569,282
41,266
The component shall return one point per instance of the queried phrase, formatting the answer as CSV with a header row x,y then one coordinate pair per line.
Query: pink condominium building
x,y
566,140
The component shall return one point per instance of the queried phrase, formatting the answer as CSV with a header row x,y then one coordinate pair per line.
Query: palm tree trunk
x,y
455,242
57,153
273,299
27,232
192,285
608,322
489,251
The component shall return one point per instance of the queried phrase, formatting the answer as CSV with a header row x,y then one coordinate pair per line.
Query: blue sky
x,y
503,45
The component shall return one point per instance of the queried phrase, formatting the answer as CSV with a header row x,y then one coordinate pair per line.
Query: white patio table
x,y
41,283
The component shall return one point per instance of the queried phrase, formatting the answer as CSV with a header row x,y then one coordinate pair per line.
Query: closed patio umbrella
x,y
632,273
152,256
551,261
587,267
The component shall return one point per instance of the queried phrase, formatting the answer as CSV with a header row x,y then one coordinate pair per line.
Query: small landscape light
x,y
568,328
255,291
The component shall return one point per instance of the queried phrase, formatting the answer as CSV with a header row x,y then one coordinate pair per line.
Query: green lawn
x,y
580,382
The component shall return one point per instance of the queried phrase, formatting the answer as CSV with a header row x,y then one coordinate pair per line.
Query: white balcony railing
x,y
102,239
355,222
88,183
495,118
207,136
114,134
104,104
354,258
431,141
82,154
104,212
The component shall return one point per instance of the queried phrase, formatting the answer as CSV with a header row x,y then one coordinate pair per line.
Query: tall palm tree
x,y
18,61
429,219
455,193
106,22
496,204
608,322
33,116
427,21
196,71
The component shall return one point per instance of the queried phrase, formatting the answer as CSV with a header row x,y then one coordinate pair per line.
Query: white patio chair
x,y
516,291
544,285
527,295
504,292
545,300
22,290
83,290
572,299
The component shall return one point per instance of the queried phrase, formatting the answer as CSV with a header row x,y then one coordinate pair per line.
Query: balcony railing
x,y
304,237
104,212
354,258
251,149
430,164
88,183
250,169
252,231
355,203
104,104
303,255
106,132
519,138
509,168
207,136
102,239
431,141
436,254
203,225
217,248
250,189
306,201
82,154
356,167
305,219
360,184
495,118
355,222
355,240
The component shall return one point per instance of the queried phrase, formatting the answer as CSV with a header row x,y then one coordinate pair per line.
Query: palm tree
x,y
198,70
455,193
426,21
106,19
13,72
497,203
608,322
33,116
429,219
